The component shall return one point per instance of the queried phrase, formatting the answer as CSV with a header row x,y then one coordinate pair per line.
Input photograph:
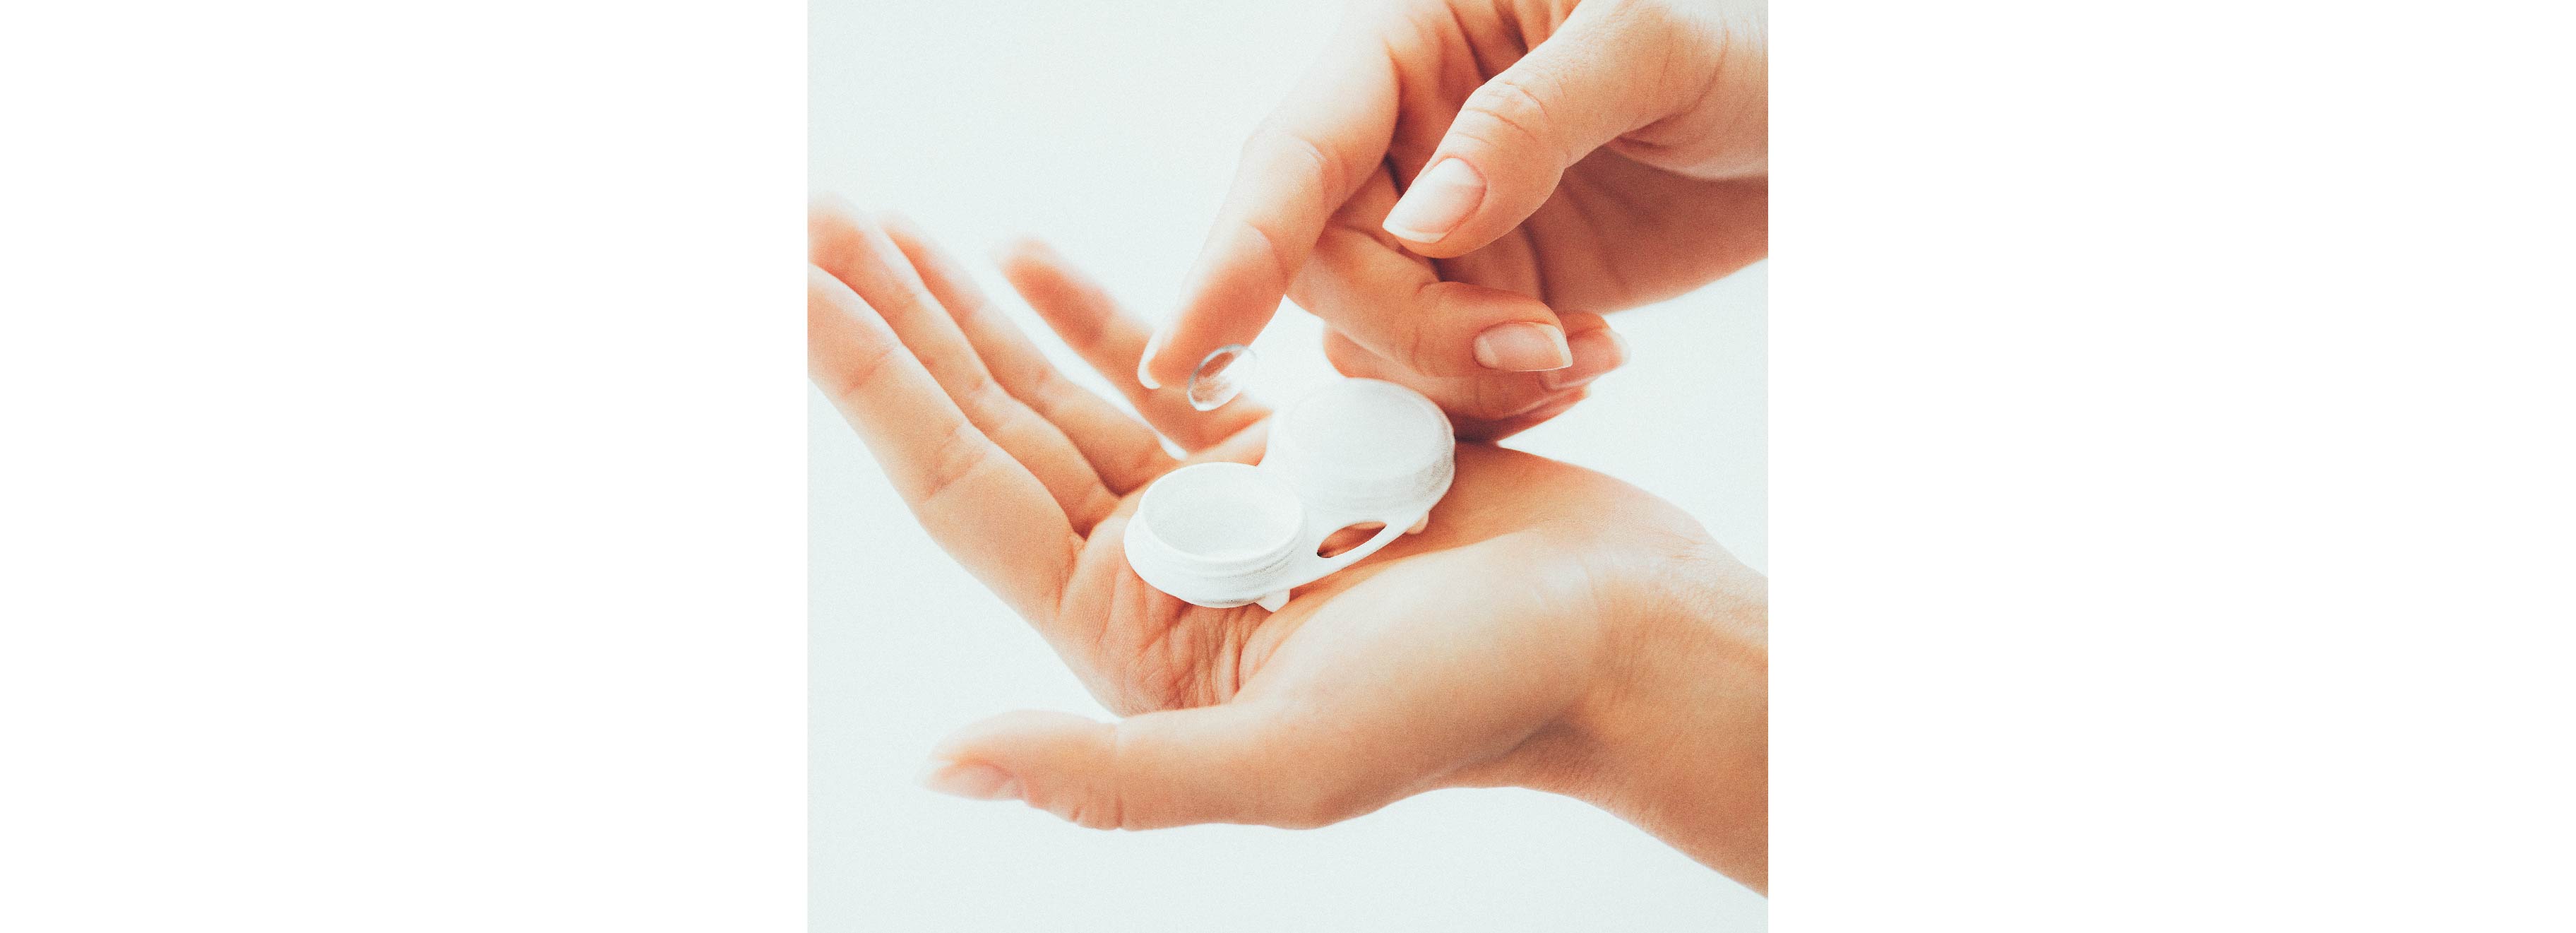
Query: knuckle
x,y
1514,106
1274,251
854,383
956,457
1276,147
1048,392
1095,813
1420,352
981,398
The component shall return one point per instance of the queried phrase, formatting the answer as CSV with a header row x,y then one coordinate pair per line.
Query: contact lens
x,y
1220,377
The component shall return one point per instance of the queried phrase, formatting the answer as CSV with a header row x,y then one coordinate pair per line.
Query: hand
x,y
1583,158
1552,628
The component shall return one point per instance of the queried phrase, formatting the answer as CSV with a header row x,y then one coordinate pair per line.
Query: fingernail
x,y
1438,200
1522,347
971,781
1152,344
1596,353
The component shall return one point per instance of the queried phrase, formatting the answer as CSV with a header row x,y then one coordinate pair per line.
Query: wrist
x,y
1677,734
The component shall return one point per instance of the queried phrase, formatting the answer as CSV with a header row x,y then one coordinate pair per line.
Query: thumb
x,y
1594,80
1233,763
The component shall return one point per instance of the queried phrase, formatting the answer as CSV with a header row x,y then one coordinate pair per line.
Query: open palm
x,y
1465,655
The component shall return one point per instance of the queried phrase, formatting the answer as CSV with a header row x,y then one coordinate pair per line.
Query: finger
x,y
1595,79
1123,451
1479,403
1396,305
1327,730
1231,763
1295,172
982,506
1085,317
1493,431
856,250
1244,446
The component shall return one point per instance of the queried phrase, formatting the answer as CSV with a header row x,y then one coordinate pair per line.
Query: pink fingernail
x,y
1146,359
1521,347
971,781
1438,200
1596,353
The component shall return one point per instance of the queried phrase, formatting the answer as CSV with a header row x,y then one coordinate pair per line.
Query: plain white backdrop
x,y
403,453
1110,130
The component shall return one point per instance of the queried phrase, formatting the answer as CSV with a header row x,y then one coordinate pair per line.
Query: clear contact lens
x,y
1221,376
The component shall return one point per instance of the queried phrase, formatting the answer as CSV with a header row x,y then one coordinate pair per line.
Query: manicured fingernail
x,y
1523,347
1596,353
1438,200
971,781
1152,344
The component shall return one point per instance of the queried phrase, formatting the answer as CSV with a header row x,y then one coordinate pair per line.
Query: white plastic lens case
x,y
1354,452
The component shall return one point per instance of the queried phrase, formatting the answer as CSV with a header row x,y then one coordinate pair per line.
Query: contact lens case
x,y
1357,451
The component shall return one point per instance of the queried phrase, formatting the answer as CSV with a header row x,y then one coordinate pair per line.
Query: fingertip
x,y
971,780
1523,346
930,262
1596,352
1035,271
1145,361
828,203
1581,322
1439,200
900,228
831,224
1046,758
1020,250
987,740
819,282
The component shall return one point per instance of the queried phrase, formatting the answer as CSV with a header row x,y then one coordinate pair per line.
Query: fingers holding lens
x,y
1089,321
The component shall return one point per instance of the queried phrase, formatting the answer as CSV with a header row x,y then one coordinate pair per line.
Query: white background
x,y
1110,129
401,519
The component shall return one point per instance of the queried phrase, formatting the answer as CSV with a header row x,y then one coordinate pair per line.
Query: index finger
x,y
1296,170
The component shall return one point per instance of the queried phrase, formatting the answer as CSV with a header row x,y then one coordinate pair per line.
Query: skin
x,y
1552,628
1623,150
